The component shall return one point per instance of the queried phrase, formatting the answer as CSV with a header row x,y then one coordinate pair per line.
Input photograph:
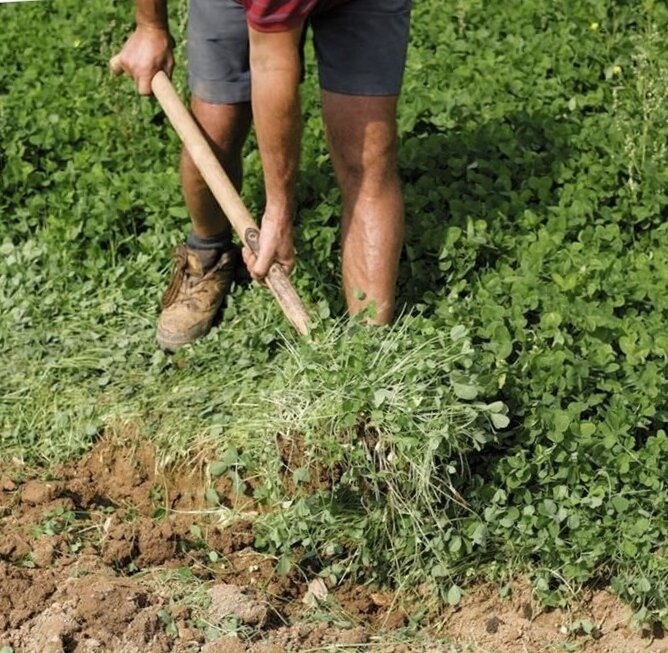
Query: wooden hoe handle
x,y
226,196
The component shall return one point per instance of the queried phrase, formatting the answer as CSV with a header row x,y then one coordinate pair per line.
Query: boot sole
x,y
172,342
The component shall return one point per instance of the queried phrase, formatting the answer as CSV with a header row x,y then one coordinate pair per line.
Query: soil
x,y
111,554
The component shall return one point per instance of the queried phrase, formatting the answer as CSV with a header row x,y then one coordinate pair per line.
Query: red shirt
x,y
282,15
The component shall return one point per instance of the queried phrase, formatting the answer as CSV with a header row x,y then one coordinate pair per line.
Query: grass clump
x,y
359,437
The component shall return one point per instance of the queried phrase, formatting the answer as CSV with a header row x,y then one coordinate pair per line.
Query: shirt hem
x,y
279,26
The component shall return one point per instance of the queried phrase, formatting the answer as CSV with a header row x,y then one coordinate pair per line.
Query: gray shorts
x,y
360,47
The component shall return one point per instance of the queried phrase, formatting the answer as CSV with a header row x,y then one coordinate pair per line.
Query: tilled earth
x,y
113,555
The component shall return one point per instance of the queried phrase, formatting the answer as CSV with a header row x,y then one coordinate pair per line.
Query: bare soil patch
x,y
110,553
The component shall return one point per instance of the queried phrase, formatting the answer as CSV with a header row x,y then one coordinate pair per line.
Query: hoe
x,y
227,197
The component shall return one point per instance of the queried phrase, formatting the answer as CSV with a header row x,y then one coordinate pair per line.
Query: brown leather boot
x,y
194,296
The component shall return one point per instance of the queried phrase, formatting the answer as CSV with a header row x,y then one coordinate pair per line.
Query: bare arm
x,y
275,75
149,49
152,13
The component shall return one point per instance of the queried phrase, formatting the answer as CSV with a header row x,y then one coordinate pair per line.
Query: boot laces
x,y
178,275
180,272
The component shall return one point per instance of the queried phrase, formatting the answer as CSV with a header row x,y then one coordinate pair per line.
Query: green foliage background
x,y
533,153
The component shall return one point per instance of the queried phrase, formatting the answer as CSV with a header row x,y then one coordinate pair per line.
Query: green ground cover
x,y
533,152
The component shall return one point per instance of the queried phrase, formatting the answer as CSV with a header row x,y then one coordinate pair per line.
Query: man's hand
x,y
146,52
276,245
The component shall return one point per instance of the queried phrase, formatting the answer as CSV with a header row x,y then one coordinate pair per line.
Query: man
x,y
244,59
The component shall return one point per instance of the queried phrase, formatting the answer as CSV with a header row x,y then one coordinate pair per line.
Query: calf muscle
x,y
225,127
361,133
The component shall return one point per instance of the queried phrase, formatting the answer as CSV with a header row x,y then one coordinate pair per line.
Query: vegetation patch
x,y
514,416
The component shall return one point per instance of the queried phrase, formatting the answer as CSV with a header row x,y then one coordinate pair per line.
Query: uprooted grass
x,y
357,438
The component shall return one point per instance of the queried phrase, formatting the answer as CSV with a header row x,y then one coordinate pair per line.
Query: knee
x,y
225,126
367,166
227,140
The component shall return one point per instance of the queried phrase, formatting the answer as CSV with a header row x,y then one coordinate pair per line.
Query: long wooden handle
x,y
226,196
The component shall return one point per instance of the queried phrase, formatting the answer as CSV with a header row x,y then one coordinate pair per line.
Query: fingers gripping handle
x,y
227,197
280,286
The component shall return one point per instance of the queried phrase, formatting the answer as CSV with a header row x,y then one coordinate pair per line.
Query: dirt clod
x,y
157,543
7,485
230,644
45,550
13,547
38,492
233,601
353,637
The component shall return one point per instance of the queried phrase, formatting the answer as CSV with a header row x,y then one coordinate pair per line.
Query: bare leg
x,y
226,127
362,138
202,276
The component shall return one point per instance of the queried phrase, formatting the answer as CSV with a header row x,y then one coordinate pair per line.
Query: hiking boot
x,y
194,295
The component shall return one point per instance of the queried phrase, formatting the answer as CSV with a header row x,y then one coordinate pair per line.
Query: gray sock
x,y
209,249
221,242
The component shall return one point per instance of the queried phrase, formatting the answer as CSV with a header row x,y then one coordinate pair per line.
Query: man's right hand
x,y
146,52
